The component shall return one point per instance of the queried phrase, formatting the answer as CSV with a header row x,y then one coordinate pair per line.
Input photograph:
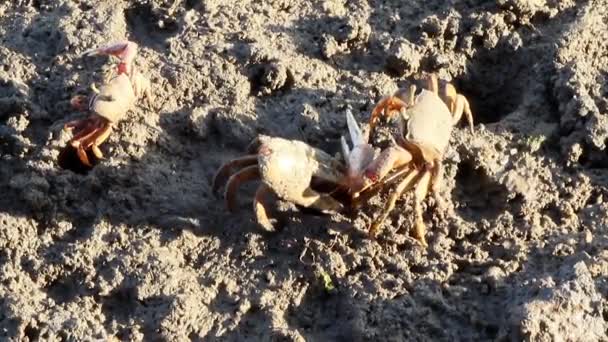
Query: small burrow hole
x,y
68,160
477,195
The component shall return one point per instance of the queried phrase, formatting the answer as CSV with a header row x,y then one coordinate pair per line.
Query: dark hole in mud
x,y
120,304
65,289
593,158
68,160
476,195
495,82
147,23
32,333
194,4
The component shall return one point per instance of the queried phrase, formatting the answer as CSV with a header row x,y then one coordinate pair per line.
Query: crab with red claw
x,y
425,122
110,103
294,171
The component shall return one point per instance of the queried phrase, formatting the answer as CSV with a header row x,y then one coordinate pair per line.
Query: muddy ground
x,y
140,249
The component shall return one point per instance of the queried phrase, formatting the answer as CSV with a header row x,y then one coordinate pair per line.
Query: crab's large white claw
x,y
360,156
345,148
356,135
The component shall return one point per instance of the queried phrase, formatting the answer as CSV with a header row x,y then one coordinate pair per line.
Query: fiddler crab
x,y
425,123
289,168
110,103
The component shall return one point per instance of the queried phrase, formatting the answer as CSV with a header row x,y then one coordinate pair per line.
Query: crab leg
x,y
462,105
458,105
96,139
388,105
408,95
80,150
81,127
420,192
225,171
260,206
319,201
84,127
245,175
436,175
405,184
399,101
87,130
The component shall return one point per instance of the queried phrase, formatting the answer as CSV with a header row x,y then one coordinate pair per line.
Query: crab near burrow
x,y
290,169
110,103
425,122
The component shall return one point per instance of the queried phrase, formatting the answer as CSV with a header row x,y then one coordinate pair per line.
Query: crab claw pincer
x,y
125,51
359,157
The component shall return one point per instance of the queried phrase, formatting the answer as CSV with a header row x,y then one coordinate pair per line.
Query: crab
x,y
425,121
293,171
110,103
286,168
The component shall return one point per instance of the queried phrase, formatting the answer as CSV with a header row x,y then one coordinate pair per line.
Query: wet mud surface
x,y
138,247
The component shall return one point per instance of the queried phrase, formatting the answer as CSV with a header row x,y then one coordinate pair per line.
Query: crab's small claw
x,y
125,51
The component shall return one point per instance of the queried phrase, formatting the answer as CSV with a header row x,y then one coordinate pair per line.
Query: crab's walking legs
x,y
372,190
82,128
89,132
226,170
260,207
245,175
421,189
388,105
97,139
93,140
391,104
80,148
458,105
405,184
420,192
320,201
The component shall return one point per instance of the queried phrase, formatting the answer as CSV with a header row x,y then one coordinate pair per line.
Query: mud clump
x,y
403,58
580,88
268,78
575,297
